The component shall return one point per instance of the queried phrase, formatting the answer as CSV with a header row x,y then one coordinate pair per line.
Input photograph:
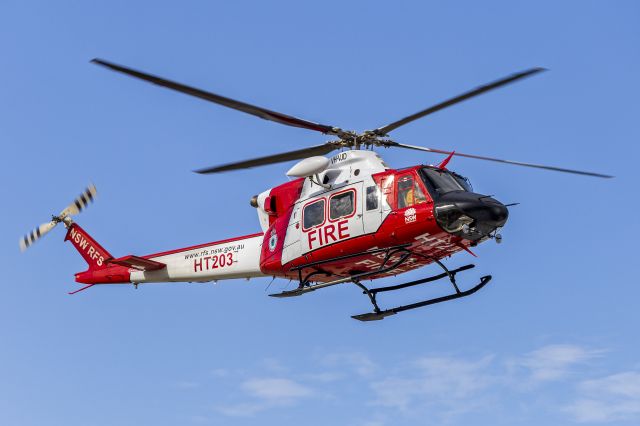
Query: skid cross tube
x,y
422,281
451,275
305,282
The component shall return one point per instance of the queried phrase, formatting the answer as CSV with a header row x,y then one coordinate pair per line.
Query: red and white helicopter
x,y
344,219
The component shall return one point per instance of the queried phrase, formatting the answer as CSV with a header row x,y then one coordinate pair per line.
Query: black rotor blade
x,y
475,92
221,100
478,157
272,159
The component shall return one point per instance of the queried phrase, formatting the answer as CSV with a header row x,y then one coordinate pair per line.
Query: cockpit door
x,y
413,205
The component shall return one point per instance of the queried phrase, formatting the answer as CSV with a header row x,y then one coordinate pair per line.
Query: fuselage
x,y
356,205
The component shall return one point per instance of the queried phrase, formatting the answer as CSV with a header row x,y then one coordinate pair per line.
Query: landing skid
x,y
379,314
404,253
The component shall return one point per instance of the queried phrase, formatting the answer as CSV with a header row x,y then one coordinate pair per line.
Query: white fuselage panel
x,y
226,260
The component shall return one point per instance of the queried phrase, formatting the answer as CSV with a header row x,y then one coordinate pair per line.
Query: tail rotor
x,y
80,203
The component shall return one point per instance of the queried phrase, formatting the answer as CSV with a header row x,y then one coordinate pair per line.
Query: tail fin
x,y
93,253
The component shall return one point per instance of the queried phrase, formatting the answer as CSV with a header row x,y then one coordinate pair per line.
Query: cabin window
x,y
409,192
373,197
313,214
341,205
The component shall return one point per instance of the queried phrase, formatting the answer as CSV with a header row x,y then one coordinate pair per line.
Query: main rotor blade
x,y
475,92
478,157
221,100
272,159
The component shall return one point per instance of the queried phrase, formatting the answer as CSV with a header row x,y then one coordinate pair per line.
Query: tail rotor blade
x,y
81,202
33,236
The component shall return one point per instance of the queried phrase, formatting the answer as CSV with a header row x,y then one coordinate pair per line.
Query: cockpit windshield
x,y
463,181
443,181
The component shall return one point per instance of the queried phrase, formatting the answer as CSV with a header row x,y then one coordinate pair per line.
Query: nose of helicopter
x,y
469,215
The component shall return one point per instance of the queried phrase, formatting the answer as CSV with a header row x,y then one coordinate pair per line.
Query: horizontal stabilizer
x,y
139,263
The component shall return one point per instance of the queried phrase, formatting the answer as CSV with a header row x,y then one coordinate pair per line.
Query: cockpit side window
x,y
409,192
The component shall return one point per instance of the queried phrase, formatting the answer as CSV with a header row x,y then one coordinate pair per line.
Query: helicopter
x,y
347,218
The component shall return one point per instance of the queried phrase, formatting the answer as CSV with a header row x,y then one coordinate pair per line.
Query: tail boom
x,y
221,260
227,259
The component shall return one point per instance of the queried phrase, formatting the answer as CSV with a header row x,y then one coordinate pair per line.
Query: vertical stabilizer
x,y
92,252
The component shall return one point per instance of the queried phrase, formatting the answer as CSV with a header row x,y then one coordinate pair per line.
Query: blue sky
x,y
552,340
